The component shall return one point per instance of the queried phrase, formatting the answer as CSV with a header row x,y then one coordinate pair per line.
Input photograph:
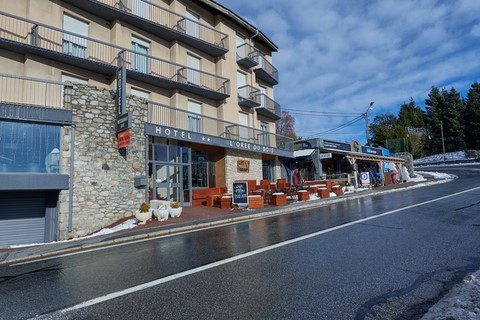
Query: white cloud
x,y
338,55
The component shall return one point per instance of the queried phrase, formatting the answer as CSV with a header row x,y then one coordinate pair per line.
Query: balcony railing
x,y
158,20
246,55
19,90
164,115
248,96
102,57
265,70
268,107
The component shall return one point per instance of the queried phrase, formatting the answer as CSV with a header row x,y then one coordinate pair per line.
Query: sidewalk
x,y
191,218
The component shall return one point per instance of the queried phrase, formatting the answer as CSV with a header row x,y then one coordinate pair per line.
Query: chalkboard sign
x,y
240,193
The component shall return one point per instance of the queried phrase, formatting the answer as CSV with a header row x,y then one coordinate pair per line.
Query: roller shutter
x,y
22,217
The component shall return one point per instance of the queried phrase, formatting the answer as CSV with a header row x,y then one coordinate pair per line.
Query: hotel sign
x,y
184,135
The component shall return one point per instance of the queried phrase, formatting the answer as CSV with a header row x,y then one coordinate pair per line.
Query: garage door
x,y
22,217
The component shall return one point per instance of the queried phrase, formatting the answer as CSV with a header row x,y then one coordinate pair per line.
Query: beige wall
x,y
120,33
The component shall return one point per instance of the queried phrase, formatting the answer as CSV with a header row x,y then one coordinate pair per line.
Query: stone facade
x,y
103,189
231,169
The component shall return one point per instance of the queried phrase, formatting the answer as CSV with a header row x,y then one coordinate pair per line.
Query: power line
x,y
325,113
340,126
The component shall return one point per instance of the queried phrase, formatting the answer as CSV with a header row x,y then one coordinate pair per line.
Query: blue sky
x,y
340,55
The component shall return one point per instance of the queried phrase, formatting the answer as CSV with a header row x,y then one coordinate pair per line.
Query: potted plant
x,y
162,212
349,187
175,209
144,213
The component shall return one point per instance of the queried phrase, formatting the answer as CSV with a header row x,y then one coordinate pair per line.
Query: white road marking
x,y
154,283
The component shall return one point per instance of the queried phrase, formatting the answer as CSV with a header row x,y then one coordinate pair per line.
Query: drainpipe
x,y
70,194
146,173
251,81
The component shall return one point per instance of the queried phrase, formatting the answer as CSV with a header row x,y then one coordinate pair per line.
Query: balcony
x,y
162,115
269,108
26,91
266,71
158,21
25,36
246,55
248,96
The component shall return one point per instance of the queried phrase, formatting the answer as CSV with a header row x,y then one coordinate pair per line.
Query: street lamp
x,y
367,130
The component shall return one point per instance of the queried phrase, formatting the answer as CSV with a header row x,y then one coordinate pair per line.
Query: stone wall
x,y
231,170
103,189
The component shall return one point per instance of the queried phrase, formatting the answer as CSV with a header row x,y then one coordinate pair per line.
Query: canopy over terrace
x,y
318,158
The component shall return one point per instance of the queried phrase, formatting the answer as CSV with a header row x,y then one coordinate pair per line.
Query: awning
x,y
303,153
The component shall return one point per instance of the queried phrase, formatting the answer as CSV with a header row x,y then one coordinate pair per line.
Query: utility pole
x,y
443,141
367,129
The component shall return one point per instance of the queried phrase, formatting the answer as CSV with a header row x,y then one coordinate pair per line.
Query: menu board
x,y
240,193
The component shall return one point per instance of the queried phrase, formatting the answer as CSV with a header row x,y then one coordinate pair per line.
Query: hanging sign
x,y
124,139
123,122
121,91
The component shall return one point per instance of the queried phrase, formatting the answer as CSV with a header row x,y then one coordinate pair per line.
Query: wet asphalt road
x,y
391,267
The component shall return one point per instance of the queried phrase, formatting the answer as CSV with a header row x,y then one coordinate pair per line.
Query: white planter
x,y
161,213
175,212
143,216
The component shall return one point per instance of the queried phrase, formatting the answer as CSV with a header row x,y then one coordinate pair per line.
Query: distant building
x,y
106,103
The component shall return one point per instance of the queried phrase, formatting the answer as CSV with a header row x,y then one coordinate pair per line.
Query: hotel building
x,y
107,103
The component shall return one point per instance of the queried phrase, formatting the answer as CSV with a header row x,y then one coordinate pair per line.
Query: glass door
x,y
169,182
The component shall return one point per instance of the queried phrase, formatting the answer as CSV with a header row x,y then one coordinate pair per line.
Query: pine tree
x,y
411,115
472,117
445,108
386,127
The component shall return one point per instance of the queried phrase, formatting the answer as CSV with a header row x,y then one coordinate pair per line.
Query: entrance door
x,y
169,182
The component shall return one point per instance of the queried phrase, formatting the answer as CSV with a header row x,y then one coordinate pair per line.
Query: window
x,y
29,147
75,45
240,41
264,138
140,60
193,75
243,129
203,169
192,27
194,119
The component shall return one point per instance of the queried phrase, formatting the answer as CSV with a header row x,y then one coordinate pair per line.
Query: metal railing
x,y
31,91
269,104
249,93
50,38
163,115
247,51
169,19
265,65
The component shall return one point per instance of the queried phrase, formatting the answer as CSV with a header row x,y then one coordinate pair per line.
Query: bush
x,y
174,204
144,207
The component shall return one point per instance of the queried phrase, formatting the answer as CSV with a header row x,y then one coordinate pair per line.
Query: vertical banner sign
x,y
240,193
121,90
364,178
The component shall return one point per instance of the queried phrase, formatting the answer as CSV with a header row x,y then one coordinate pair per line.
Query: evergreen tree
x,y
472,117
386,127
411,115
445,108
